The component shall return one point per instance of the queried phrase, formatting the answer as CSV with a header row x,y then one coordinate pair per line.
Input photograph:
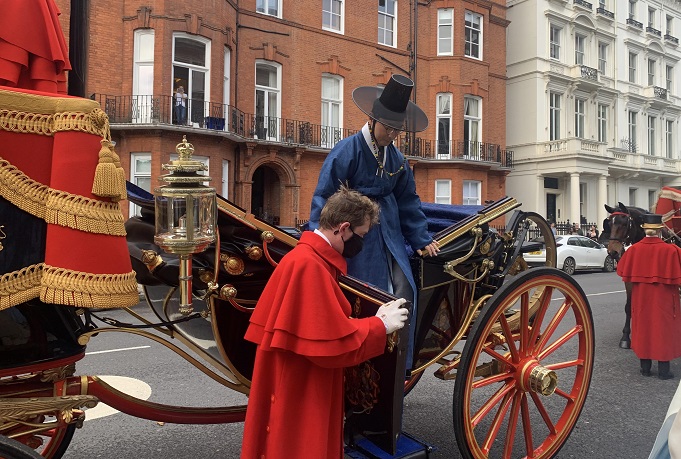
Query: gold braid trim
x,y
20,286
73,288
44,124
23,192
58,207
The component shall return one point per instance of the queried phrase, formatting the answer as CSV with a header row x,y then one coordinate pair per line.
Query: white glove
x,y
393,315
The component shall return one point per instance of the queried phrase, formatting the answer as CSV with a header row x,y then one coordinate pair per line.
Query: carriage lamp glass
x,y
185,215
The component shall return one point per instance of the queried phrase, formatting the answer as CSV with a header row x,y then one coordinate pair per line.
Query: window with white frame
x,y
333,15
472,124
268,7
191,70
387,19
267,100
652,198
602,123
670,25
443,191
140,175
579,49
225,178
602,57
669,137
143,75
471,192
632,9
473,32
631,128
332,109
554,41
652,121
652,63
669,77
579,117
226,86
651,17
633,58
444,125
445,35
554,115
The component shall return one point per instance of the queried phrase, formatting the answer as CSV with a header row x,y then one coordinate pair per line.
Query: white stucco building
x,y
593,104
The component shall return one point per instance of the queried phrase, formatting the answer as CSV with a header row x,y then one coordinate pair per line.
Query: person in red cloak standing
x,y
653,267
305,338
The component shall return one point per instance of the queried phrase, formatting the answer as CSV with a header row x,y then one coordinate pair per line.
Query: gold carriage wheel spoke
x,y
559,342
567,304
524,322
544,414
566,364
498,356
527,425
508,334
496,423
489,404
541,312
512,426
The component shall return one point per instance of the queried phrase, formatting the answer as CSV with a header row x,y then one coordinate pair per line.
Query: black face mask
x,y
352,246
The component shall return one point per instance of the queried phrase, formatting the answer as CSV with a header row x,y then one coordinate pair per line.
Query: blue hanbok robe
x,y
351,162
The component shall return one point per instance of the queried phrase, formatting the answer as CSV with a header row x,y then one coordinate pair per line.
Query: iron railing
x,y
220,117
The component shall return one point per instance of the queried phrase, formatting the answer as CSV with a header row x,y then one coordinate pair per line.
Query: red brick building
x,y
269,84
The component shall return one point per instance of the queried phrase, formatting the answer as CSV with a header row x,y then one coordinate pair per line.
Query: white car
x,y
573,253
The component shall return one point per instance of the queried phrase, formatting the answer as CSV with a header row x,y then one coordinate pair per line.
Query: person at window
x,y
370,163
305,338
653,268
180,106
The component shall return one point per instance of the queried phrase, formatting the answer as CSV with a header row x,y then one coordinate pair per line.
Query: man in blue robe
x,y
369,163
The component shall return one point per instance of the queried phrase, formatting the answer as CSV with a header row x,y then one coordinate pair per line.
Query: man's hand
x,y
432,249
393,315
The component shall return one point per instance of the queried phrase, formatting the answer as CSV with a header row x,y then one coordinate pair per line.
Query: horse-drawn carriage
x,y
518,342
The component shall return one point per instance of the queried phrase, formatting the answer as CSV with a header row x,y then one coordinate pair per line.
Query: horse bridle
x,y
630,225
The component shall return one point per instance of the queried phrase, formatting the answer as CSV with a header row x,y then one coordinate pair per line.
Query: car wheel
x,y
609,264
569,265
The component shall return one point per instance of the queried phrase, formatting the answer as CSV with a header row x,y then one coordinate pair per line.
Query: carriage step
x,y
408,447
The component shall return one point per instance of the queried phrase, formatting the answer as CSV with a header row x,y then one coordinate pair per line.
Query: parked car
x,y
574,252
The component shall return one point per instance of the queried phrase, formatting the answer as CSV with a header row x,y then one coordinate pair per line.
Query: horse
x,y
625,229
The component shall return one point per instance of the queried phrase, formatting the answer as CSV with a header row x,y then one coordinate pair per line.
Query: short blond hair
x,y
347,205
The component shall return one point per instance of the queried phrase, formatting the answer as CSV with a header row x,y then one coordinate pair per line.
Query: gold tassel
x,y
109,179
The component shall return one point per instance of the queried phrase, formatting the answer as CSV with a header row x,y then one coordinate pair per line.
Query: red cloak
x,y
305,339
654,269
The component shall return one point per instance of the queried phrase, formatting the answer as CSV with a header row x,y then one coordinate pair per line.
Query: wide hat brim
x,y
652,225
412,119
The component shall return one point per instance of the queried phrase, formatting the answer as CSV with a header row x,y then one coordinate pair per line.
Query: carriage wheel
x,y
519,393
12,449
50,443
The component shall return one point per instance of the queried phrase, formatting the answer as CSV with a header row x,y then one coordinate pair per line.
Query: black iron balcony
x,y
589,73
159,110
629,144
603,12
654,31
671,39
660,93
634,23
455,150
583,4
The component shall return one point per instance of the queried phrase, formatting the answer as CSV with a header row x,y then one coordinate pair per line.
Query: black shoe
x,y
646,372
666,376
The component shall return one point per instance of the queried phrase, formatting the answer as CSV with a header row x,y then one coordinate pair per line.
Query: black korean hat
x,y
391,106
652,221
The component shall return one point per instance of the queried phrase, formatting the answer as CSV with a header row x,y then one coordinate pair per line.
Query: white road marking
x,y
130,386
117,350
560,298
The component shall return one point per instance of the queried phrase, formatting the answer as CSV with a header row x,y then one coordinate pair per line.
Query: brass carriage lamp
x,y
185,215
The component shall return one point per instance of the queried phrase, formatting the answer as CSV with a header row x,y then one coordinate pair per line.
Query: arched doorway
x,y
266,195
